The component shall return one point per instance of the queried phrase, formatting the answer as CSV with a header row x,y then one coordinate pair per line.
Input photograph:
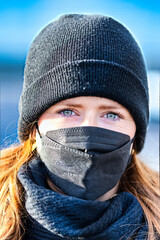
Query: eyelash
x,y
70,109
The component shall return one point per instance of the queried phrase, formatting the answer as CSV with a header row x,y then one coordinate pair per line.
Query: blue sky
x,y
22,20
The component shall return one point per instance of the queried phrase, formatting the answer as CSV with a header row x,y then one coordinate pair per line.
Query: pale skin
x,y
87,111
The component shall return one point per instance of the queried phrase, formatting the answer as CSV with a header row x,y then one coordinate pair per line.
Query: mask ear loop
x,y
132,152
133,146
38,156
38,130
33,141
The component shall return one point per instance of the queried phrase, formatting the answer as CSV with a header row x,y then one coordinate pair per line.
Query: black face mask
x,y
85,162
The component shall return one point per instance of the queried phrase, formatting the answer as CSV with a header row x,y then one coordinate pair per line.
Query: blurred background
x,y
21,20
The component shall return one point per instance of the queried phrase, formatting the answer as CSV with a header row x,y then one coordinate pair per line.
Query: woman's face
x,y
88,111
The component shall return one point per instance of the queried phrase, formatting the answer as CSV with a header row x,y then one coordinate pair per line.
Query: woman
x,y
84,112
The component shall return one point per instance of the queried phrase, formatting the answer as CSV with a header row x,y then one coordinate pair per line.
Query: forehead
x,y
89,100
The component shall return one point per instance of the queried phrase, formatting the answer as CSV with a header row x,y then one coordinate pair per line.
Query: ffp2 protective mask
x,y
85,162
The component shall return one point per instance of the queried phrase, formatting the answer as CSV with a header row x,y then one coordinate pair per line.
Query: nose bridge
x,y
89,118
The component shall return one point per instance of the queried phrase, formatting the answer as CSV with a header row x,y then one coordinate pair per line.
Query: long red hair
x,y
138,179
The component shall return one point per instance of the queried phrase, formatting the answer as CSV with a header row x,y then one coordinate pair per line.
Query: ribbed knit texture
x,y
84,55
55,216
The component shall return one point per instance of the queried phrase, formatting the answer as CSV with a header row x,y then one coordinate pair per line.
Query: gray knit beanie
x,y
84,55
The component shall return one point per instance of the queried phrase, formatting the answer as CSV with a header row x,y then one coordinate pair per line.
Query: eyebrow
x,y
101,107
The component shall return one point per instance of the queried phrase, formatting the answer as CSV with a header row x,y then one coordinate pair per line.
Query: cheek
x,y
129,128
47,125
54,124
123,126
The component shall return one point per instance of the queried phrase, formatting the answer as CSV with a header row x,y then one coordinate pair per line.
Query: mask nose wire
x,y
38,129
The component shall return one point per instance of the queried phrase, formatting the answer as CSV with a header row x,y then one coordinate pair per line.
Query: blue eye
x,y
67,113
112,116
